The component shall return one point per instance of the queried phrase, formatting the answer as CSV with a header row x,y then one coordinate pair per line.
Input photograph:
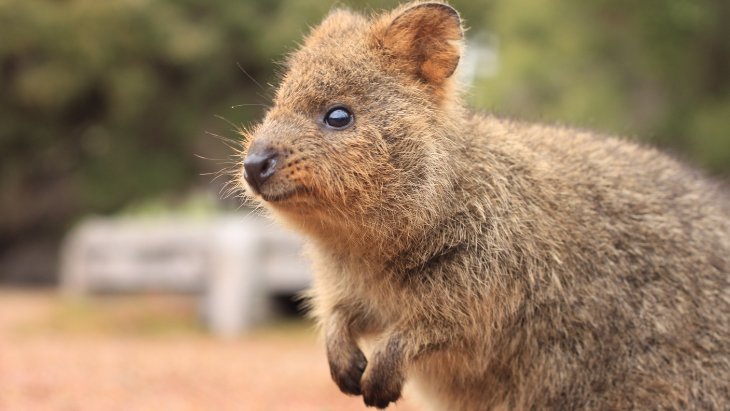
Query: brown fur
x,y
492,264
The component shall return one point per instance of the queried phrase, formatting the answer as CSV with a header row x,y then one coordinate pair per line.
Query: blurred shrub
x,y
104,102
656,69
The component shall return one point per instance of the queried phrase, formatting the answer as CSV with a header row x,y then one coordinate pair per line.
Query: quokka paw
x,y
347,369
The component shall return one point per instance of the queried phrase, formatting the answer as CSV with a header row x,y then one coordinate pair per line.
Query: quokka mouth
x,y
276,198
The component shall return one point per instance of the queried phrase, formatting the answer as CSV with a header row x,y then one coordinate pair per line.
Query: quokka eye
x,y
338,117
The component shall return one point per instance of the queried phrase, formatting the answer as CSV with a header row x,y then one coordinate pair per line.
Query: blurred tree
x,y
106,102
656,69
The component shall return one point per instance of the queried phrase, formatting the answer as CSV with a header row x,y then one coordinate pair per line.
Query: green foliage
x,y
107,102
657,70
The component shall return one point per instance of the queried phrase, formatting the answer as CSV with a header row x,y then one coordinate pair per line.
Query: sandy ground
x,y
148,353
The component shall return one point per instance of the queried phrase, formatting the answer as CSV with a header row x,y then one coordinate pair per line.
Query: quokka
x,y
491,264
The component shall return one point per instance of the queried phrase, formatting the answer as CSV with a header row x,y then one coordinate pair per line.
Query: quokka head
x,y
362,123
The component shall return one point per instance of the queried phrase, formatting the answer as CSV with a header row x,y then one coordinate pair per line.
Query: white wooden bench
x,y
235,262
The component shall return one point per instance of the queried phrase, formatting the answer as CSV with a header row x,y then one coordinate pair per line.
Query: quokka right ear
x,y
424,40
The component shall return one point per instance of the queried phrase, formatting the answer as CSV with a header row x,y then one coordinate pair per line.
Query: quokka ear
x,y
424,38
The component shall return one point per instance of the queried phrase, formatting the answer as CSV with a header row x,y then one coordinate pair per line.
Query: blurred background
x,y
108,117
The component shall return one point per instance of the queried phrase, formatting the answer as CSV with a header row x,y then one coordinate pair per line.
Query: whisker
x,y
251,104
249,76
226,139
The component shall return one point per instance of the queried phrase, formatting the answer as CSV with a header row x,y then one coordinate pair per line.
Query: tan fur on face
x,y
496,264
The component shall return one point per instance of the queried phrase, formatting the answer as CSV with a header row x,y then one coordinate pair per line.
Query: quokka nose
x,y
258,166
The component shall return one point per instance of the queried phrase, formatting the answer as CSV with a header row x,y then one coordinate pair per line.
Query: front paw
x,y
347,364
383,379
380,387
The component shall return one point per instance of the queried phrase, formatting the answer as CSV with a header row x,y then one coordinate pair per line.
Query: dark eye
x,y
338,117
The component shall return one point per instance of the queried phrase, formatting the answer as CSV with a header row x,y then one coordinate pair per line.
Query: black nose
x,y
258,166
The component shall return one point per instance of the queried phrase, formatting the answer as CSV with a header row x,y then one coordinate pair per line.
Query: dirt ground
x,y
149,353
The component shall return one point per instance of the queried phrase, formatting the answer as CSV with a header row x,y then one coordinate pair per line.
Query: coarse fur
x,y
495,264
